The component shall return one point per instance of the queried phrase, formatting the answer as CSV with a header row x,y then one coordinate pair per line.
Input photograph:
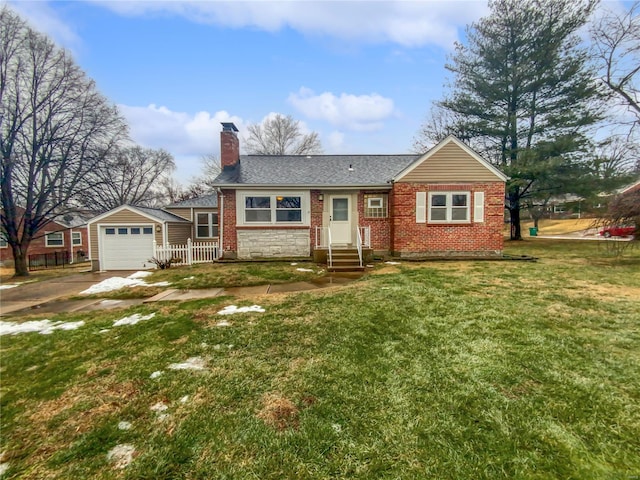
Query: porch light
x,y
321,197
279,198
158,228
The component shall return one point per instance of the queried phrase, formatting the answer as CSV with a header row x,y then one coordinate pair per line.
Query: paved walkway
x,y
31,295
44,296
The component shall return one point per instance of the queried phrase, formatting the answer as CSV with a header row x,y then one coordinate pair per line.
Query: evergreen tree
x,y
527,93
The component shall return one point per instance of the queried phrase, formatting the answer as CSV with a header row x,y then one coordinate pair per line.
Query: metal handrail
x,y
329,254
359,245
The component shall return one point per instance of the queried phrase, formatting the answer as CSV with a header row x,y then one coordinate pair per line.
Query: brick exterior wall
x,y
228,220
424,239
380,227
317,206
39,246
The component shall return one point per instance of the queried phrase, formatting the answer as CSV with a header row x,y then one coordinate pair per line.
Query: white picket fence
x,y
200,252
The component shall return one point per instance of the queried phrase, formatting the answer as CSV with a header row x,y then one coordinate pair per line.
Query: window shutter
x,y
478,207
421,207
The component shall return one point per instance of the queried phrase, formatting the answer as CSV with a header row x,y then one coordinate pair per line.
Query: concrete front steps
x,y
345,260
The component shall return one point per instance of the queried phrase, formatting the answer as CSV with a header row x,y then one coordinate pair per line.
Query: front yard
x,y
444,370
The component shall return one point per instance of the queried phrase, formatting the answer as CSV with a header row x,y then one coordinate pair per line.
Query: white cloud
x,y
45,19
407,23
187,136
352,112
180,133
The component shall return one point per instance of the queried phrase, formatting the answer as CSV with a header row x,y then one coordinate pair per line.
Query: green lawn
x,y
438,370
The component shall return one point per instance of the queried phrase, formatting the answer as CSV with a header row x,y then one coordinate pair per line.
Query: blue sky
x,y
362,74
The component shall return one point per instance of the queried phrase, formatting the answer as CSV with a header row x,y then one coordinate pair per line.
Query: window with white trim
x,y
449,207
3,241
76,238
376,205
206,225
286,208
54,239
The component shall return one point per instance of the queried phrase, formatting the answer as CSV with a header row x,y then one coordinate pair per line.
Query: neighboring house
x,y
125,238
67,234
629,189
446,202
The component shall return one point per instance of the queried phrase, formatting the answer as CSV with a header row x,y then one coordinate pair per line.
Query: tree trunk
x,y
514,214
20,261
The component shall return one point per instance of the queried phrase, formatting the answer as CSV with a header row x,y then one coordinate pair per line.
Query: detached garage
x,y
123,238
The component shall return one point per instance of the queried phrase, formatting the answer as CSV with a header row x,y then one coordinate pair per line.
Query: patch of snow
x,y
304,269
231,309
140,274
184,399
110,302
44,327
9,285
116,283
223,323
159,407
369,266
163,416
392,263
121,455
217,347
133,319
124,425
293,264
3,468
189,278
193,363
155,374
105,330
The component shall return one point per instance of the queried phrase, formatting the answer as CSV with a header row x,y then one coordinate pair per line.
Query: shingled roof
x,y
203,201
315,170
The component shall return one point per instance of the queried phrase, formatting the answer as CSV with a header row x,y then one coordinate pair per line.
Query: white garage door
x,y
126,248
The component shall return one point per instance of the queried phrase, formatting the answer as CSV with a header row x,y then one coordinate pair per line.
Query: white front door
x,y
340,219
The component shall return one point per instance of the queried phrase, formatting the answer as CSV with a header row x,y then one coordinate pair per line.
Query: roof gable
x,y
450,161
153,214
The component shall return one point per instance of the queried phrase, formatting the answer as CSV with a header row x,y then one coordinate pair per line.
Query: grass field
x,y
438,370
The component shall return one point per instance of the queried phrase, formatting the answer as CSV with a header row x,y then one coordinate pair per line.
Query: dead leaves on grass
x,y
280,413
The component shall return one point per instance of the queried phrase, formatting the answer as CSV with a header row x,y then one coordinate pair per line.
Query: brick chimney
x,y
229,145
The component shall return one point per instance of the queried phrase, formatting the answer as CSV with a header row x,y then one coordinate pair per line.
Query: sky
x,y
363,74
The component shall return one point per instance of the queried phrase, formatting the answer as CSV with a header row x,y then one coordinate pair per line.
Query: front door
x,y
340,219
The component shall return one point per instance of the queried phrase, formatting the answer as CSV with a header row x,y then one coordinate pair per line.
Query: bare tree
x,y
280,135
616,46
210,168
55,129
134,177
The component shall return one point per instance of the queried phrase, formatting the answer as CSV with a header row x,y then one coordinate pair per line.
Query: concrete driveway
x,y
30,295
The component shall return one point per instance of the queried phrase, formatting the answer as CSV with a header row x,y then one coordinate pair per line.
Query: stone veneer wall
x,y
265,243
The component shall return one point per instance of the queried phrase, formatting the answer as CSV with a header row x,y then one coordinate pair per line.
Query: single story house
x,y
338,209
446,202
126,237
65,235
